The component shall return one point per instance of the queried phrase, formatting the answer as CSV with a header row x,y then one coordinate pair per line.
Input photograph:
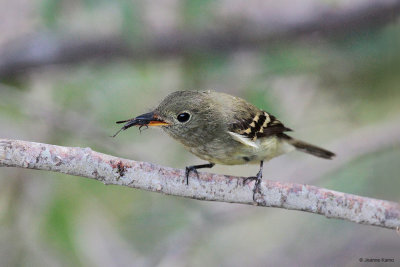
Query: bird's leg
x,y
194,169
258,180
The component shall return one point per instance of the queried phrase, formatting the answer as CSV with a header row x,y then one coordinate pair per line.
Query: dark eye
x,y
183,117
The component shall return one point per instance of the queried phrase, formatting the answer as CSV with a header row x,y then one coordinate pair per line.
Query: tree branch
x,y
212,187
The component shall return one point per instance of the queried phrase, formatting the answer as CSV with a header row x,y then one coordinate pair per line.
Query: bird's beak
x,y
147,119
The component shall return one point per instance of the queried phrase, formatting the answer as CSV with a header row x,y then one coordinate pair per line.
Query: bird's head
x,y
185,115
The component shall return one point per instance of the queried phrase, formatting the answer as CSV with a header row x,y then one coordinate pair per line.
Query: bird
x,y
223,129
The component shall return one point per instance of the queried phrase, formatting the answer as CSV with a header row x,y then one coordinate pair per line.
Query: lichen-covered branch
x,y
142,175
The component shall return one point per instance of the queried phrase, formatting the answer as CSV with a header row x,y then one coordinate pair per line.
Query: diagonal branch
x,y
212,187
45,49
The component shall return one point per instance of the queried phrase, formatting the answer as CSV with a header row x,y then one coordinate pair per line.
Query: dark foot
x,y
258,180
194,169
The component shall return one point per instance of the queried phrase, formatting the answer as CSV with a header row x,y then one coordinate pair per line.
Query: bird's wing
x,y
244,121
257,124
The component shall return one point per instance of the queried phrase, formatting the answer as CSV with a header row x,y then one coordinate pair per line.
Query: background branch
x,y
142,175
49,48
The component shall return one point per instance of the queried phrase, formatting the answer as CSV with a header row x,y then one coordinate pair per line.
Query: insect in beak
x,y
147,119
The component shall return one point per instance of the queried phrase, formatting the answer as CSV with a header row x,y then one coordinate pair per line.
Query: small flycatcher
x,y
223,129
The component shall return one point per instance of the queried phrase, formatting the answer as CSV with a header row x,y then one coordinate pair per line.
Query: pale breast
x,y
237,153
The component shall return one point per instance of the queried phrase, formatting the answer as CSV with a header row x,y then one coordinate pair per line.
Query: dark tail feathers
x,y
307,148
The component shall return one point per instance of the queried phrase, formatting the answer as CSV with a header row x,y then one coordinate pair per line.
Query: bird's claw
x,y
249,179
258,179
194,169
187,172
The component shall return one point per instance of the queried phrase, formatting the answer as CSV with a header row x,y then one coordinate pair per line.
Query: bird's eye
x,y
183,117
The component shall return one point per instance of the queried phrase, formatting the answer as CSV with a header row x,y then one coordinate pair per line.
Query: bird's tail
x,y
307,148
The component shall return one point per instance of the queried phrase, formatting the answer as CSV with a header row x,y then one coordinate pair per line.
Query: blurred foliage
x,y
324,88
197,13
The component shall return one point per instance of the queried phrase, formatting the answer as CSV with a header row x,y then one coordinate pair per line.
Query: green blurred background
x,y
338,89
